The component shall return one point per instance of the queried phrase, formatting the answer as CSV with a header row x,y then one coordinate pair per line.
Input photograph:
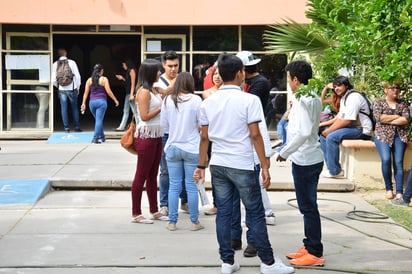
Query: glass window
x,y
29,110
163,44
75,28
120,28
201,62
252,38
215,38
166,30
273,67
29,43
26,28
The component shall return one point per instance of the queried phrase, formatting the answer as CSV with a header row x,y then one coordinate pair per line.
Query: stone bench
x,y
362,165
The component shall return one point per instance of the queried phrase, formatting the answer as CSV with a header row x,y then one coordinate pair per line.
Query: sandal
x,y
159,216
140,219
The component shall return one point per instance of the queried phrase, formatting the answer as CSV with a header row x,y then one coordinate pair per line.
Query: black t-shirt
x,y
258,86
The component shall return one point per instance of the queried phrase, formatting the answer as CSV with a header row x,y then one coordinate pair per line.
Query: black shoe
x,y
237,244
250,251
77,130
67,130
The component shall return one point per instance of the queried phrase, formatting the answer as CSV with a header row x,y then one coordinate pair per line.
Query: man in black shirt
x,y
255,83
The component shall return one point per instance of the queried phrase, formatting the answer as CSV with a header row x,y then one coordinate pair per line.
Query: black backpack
x,y
64,74
370,115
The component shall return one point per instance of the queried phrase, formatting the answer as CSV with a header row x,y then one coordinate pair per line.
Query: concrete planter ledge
x,y
362,164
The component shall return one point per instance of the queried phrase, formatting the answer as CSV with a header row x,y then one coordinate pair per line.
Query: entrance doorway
x,y
88,50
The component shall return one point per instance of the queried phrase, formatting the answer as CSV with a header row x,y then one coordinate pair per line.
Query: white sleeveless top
x,y
150,128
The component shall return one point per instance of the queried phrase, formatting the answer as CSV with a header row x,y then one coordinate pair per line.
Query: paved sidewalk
x,y
105,165
90,231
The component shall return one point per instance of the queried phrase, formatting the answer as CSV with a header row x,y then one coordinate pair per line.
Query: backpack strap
x,y
164,81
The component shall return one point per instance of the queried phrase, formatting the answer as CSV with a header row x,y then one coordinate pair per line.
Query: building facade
x,y
109,31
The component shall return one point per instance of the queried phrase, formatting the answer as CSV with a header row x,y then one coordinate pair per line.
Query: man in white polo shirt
x,y
230,120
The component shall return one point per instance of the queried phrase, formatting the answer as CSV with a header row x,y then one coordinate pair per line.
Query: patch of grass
x,y
401,215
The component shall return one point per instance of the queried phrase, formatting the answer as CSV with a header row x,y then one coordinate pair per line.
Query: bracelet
x,y
201,167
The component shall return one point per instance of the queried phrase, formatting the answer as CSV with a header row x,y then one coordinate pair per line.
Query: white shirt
x,y
266,141
350,108
76,79
228,113
183,123
302,146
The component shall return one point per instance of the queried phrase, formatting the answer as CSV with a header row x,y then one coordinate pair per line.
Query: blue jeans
x,y
306,180
164,179
236,233
66,97
181,165
226,182
98,109
408,190
128,105
388,155
282,132
330,146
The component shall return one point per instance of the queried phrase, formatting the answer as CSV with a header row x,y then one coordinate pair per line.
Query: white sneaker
x,y
270,219
327,174
277,268
230,268
164,210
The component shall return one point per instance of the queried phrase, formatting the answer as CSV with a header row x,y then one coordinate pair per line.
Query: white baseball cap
x,y
247,58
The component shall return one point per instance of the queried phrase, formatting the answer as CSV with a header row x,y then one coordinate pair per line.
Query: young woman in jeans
x,y
180,117
148,142
98,85
391,115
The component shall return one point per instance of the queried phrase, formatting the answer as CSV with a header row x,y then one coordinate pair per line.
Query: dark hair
x,y
184,83
169,55
96,73
129,64
343,80
301,70
228,66
148,73
251,69
61,52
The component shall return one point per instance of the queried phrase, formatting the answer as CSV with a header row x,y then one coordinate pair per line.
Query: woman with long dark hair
x,y
148,142
98,85
180,117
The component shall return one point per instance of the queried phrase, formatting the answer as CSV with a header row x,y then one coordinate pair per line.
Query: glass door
x,y
154,45
28,91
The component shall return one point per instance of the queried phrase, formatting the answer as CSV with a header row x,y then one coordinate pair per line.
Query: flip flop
x,y
141,220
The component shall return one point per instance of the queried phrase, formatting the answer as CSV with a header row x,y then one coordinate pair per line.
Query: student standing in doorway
x,y
68,94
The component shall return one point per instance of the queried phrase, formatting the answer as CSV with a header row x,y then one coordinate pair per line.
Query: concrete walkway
x,y
90,231
105,165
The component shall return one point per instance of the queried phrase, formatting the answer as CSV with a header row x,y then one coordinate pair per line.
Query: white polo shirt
x,y
228,113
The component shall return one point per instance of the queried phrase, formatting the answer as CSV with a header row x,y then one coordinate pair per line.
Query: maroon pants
x,y
149,152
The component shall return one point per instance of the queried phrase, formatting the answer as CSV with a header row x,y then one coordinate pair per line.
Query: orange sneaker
x,y
308,260
301,252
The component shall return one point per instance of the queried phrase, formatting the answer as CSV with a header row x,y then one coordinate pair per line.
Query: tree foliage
x,y
372,39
